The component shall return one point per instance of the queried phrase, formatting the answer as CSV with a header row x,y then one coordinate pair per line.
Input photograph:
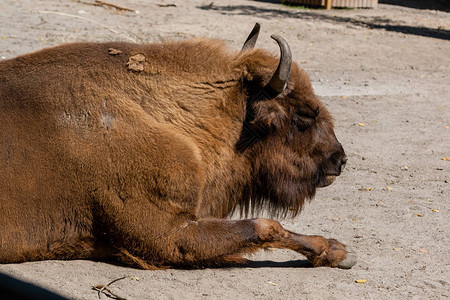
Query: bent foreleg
x,y
207,242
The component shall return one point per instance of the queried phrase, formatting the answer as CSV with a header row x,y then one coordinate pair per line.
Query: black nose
x,y
340,163
343,160
336,163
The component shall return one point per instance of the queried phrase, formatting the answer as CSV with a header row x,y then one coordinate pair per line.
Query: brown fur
x,y
103,156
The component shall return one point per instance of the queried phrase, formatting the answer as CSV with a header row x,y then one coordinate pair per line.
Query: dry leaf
x,y
397,249
361,280
365,189
419,215
435,210
136,63
446,158
422,250
361,124
272,283
429,200
112,51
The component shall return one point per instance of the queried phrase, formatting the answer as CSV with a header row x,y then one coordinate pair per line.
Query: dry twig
x,y
101,288
90,20
103,3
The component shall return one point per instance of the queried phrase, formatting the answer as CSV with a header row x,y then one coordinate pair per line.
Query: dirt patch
x,y
384,74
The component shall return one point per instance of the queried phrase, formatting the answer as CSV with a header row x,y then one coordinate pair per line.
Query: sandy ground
x,y
384,74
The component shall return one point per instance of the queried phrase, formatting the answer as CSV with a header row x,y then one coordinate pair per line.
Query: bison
x,y
139,153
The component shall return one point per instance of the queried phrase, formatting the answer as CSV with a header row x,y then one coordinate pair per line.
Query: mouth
x,y
326,181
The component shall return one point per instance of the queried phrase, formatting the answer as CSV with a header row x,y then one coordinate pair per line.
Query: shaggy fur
x,y
141,151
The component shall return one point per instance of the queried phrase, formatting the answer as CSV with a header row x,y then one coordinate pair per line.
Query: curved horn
x,y
278,81
252,37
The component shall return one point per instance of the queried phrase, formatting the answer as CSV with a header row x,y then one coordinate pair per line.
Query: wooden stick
x,y
90,20
103,3
102,288
328,4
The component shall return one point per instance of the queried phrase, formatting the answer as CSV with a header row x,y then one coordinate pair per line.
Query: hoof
x,y
349,261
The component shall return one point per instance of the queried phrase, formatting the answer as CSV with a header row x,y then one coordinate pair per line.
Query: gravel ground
x,y
383,73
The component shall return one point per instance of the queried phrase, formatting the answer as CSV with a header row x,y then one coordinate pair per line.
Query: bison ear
x,y
262,118
268,114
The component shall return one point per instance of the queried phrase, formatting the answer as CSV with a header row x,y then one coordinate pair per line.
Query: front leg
x,y
215,242
318,250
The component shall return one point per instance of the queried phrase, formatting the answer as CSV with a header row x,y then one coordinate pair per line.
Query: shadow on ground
x,y
362,21
254,264
443,5
275,264
13,288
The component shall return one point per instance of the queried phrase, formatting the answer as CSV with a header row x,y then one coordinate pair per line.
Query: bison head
x,y
288,134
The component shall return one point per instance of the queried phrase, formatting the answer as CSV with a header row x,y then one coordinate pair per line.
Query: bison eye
x,y
303,121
